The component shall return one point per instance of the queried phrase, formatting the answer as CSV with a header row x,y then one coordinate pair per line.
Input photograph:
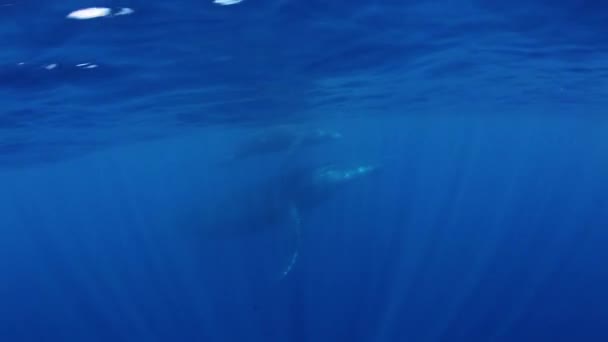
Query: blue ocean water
x,y
487,222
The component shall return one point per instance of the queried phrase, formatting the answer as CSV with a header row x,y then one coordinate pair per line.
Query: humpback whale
x,y
276,202
281,139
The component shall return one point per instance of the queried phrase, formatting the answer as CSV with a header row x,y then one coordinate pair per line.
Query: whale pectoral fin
x,y
294,225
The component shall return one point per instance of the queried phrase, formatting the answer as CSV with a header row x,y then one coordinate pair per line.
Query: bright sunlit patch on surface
x,y
90,13
226,2
124,11
87,65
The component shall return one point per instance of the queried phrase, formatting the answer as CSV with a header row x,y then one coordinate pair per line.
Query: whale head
x,y
318,136
331,175
316,185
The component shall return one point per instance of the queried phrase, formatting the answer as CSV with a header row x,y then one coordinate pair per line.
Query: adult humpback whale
x,y
281,139
276,202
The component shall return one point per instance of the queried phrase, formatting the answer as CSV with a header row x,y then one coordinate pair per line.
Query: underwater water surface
x,y
285,170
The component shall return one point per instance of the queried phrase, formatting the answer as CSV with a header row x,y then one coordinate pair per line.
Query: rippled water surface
x,y
72,86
